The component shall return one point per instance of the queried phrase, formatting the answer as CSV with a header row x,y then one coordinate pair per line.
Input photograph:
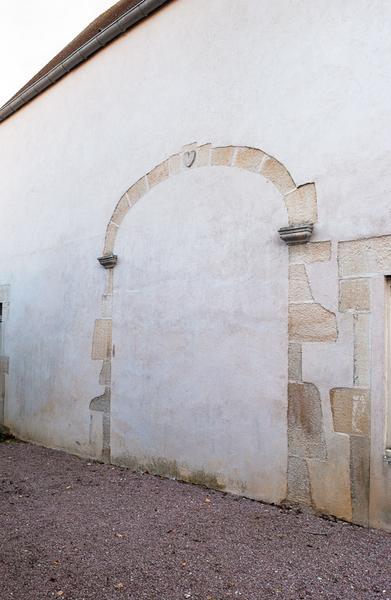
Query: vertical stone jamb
x,y
4,360
102,350
354,298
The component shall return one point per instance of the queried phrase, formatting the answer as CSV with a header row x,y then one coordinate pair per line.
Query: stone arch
x,y
301,205
300,201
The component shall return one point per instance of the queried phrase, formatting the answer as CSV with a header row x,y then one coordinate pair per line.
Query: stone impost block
x,y
108,261
305,421
310,253
294,362
296,234
311,322
248,158
299,287
350,408
275,172
111,234
158,174
302,205
365,256
222,156
354,295
101,342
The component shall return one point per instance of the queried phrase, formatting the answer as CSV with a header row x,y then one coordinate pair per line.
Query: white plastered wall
x,y
306,82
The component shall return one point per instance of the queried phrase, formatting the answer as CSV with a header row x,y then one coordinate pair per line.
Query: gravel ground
x,y
79,530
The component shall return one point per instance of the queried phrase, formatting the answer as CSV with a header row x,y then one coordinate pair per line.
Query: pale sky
x,y
33,31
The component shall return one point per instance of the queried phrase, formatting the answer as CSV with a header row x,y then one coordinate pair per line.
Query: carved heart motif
x,y
189,157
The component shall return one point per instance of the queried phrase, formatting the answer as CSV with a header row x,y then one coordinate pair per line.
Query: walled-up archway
x,y
301,210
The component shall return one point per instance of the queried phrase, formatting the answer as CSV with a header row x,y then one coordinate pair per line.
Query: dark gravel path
x,y
77,530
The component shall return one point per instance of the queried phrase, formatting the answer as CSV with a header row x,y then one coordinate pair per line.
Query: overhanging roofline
x,y
95,43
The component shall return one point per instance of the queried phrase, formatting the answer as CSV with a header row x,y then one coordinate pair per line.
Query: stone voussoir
x,y
158,174
275,172
111,234
120,210
137,190
249,159
222,156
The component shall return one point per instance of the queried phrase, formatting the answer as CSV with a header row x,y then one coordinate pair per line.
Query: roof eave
x,y
93,45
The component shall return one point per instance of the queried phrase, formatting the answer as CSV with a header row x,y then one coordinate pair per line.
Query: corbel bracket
x,y
296,234
109,261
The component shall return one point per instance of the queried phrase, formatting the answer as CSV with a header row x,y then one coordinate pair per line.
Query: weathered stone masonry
x,y
328,464
301,208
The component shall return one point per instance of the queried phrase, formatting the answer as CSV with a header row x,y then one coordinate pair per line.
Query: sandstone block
x,y
203,156
361,356
189,147
120,210
302,205
354,295
105,373
275,172
330,480
311,322
359,476
4,364
107,306
96,434
137,190
109,282
294,362
310,252
111,234
298,480
360,257
158,174
305,421
222,156
175,164
248,158
101,342
350,408
299,288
